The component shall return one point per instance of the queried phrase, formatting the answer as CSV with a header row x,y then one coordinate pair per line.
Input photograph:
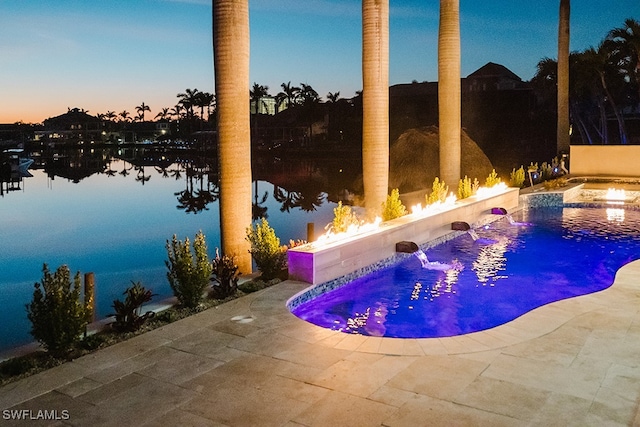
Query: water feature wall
x,y
318,263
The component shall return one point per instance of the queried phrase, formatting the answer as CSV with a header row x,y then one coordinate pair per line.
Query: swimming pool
x,y
500,274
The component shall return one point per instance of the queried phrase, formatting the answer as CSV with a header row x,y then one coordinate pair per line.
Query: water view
x,y
110,212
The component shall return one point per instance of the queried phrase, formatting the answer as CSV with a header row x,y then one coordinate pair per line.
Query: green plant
x,y
466,188
438,193
225,273
492,179
128,313
57,316
187,276
269,256
343,218
393,207
517,177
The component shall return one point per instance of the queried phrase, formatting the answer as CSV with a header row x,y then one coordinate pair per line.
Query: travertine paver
x,y
250,362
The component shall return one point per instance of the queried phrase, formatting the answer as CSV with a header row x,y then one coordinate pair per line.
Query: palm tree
x,y
124,116
332,97
449,91
375,103
289,94
163,114
141,109
231,65
563,137
188,100
256,94
627,48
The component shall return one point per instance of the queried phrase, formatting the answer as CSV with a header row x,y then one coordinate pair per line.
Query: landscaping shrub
x,y
225,273
58,317
269,256
466,188
187,276
438,193
517,177
393,207
492,179
128,312
343,218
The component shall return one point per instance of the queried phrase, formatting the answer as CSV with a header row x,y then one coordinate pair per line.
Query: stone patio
x,y
251,362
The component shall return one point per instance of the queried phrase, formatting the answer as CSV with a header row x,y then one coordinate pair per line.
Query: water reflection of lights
x,y
490,261
616,215
371,324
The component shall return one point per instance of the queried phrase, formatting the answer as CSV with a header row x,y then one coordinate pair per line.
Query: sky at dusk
x,y
112,55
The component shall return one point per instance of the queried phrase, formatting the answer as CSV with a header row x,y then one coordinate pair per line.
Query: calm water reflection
x,y
112,215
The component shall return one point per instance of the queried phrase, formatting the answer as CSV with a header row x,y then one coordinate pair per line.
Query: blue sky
x,y
104,55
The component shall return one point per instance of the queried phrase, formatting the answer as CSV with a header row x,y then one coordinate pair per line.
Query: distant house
x,y
492,77
73,127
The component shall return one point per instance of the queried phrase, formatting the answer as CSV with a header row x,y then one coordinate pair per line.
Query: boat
x,y
16,159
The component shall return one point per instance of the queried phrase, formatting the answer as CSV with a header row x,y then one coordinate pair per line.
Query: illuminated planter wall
x,y
318,263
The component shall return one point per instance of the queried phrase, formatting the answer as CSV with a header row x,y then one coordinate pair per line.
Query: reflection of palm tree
x,y
258,211
310,204
141,177
125,170
287,198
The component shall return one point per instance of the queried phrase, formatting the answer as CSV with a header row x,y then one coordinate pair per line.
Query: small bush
x,y
517,177
225,273
57,316
466,188
493,179
269,256
187,276
343,218
128,313
439,192
393,207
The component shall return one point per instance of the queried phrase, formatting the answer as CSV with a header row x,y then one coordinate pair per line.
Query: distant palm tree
x,y
231,65
125,116
308,95
206,100
333,97
626,48
562,129
256,94
289,94
141,109
188,100
110,115
163,114
449,91
375,103
176,111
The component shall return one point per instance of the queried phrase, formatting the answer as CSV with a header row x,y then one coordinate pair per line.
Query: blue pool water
x,y
507,271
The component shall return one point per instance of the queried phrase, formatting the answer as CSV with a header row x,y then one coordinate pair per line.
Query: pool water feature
x,y
543,255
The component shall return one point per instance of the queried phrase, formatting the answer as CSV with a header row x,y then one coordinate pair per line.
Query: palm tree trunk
x,y
449,91
231,64
562,128
375,103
